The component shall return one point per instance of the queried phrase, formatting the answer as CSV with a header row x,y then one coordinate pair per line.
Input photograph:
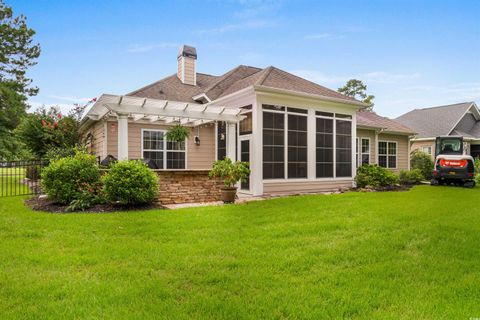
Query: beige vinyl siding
x,y
98,137
416,145
198,157
292,187
403,156
370,134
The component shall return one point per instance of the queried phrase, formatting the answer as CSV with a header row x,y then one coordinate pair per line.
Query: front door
x,y
245,157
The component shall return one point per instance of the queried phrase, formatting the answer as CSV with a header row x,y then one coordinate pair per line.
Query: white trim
x,y
105,140
122,136
387,154
165,150
361,153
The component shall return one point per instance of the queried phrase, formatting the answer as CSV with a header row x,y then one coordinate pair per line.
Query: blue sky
x,y
409,53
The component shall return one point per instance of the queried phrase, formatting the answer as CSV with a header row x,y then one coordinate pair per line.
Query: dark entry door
x,y
245,157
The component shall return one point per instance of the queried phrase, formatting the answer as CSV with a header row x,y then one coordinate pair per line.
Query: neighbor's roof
x,y
372,120
434,121
241,77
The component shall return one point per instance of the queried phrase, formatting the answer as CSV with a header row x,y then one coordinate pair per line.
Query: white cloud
x,y
324,35
71,99
63,107
246,25
140,48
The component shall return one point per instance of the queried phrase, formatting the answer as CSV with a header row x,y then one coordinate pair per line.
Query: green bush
x,y
422,161
65,180
375,177
231,172
477,164
130,182
414,176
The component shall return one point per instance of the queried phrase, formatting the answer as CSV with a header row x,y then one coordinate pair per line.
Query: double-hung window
x,y
427,150
166,155
387,154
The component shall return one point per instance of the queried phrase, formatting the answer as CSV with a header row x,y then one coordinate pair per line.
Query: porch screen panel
x,y
343,150
324,148
153,146
273,145
297,146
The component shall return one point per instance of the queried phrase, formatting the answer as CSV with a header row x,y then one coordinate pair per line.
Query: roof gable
x,y
435,121
371,119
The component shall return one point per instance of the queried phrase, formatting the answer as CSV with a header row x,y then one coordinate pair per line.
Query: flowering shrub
x,y
71,178
130,182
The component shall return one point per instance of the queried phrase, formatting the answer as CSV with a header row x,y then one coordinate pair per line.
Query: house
x,y
298,136
460,119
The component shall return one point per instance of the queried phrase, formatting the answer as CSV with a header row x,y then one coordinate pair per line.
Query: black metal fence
x,y
20,177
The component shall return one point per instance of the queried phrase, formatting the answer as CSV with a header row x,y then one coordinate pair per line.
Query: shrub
x,y
422,161
375,176
130,182
65,180
414,176
231,172
476,163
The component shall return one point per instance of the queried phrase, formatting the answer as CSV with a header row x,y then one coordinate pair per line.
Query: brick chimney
x,y
187,58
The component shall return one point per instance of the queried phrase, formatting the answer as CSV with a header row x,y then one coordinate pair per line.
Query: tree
x,y
17,54
47,129
357,89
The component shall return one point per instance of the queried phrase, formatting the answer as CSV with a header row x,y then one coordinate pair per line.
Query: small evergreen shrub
x,y
375,177
129,183
414,176
422,161
65,180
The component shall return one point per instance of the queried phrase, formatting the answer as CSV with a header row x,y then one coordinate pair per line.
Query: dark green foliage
x,y
375,177
66,179
231,172
33,172
422,161
357,89
17,54
413,176
129,183
49,129
177,133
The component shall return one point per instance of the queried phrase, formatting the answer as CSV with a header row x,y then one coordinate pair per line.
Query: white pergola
x,y
126,108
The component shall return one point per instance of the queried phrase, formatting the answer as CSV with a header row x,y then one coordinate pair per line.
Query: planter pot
x,y
228,194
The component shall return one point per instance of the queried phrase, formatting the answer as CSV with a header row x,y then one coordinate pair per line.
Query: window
x,y
297,146
221,140
273,145
365,151
343,152
245,125
387,154
324,147
169,155
284,128
427,150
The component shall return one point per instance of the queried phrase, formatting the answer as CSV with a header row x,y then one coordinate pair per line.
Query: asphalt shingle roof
x,y
434,121
371,119
241,77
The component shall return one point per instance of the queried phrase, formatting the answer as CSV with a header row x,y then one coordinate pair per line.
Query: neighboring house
x,y
461,119
297,135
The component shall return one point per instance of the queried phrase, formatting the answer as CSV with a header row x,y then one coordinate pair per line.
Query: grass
x,y
397,255
11,181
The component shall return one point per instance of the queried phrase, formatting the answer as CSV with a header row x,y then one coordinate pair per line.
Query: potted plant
x,y
177,133
231,173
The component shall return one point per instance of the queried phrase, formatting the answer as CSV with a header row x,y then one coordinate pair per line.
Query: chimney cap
x,y
187,51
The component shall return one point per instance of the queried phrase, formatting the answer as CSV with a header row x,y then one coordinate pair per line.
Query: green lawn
x,y
403,255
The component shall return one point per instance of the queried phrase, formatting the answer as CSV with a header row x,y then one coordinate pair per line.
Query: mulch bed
x,y
39,203
403,187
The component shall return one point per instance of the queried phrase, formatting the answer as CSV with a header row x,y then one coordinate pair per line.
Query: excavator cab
x,y
452,166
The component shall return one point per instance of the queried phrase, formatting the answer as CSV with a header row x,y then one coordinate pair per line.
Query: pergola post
x,y
231,140
122,136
